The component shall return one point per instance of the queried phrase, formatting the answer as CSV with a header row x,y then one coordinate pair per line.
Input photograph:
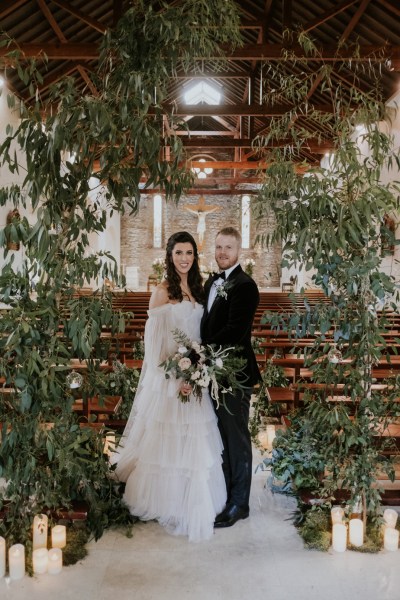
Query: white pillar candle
x,y
391,539
339,537
390,517
40,559
40,527
16,561
2,556
337,514
271,434
356,532
263,439
109,444
55,561
59,536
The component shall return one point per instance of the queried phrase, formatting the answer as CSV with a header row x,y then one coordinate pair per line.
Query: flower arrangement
x,y
204,366
158,266
223,289
249,264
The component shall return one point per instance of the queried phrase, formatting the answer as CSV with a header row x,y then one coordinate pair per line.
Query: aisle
x,y
257,559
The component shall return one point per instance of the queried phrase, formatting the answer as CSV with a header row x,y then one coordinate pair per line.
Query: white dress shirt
x,y
213,292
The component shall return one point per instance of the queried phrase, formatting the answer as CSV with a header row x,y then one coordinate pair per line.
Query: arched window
x,y
157,221
245,221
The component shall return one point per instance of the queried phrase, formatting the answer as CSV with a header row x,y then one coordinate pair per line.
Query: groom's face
x,y
226,251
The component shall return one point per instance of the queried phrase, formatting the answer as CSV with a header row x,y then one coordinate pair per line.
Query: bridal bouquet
x,y
204,366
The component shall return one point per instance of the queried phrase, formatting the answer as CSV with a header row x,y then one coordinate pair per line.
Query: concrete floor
x,y
257,559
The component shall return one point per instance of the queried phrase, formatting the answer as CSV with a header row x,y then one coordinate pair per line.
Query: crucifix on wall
x,y
201,210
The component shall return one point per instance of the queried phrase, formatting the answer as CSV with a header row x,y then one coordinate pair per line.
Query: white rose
x,y
219,363
196,347
182,349
184,363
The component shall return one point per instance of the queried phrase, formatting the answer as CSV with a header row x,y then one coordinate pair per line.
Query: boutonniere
x,y
223,289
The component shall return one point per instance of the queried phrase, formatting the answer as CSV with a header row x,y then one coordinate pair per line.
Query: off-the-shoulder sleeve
x,y
158,339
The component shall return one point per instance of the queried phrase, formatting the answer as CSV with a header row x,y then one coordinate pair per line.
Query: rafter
x,y
275,52
266,19
328,15
311,145
259,110
51,20
354,20
68,68
9,6
81,15
83,73
256,165
203,132
390,6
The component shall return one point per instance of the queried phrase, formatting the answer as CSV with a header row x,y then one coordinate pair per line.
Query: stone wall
x,y
137,236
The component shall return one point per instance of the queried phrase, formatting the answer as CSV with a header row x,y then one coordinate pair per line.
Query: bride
x,y
170,452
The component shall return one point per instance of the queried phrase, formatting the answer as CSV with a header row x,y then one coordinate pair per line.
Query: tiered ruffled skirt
x,y
171,460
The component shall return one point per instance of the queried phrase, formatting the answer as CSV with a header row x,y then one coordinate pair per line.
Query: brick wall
x,y
137,236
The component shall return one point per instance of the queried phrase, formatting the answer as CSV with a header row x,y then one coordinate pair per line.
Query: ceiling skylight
x,y
202,92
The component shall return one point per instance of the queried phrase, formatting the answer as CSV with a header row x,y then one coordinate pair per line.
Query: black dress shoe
x,y
230,515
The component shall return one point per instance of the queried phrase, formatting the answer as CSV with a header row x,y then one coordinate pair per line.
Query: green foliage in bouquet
x,y
203,367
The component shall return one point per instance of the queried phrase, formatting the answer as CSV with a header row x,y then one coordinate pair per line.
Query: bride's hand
x,y
185,389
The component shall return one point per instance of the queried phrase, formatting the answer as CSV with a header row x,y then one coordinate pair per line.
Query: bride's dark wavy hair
x,y
195,281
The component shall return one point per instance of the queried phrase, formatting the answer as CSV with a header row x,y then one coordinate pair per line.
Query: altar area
x,y
260,557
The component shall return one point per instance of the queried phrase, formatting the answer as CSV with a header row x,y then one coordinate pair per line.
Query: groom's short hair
x,y
231,231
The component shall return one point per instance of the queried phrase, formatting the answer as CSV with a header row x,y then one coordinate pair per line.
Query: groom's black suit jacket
x,y
230,319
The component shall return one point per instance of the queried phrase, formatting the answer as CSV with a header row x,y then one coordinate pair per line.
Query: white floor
x,y
261,558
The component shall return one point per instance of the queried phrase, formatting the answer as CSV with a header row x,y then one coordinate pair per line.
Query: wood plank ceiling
x,y
69,33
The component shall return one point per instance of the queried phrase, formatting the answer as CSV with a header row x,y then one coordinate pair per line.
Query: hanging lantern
x,y
13,217
334,355
74,380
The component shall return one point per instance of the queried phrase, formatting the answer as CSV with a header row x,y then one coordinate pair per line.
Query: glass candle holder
x,y
74,380
335,356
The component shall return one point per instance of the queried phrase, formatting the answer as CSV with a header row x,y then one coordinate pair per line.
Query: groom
x,y
227,320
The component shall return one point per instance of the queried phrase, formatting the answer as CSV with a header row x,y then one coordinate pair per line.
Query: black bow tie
x,y
216,276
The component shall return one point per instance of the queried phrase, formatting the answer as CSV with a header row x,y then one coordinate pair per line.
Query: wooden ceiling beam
x,y
56,76
85,51
54,51
87,80
81,16
336,10
266,19
390,6
310,145
51,20
9,6
256,165
229,110
354,20
327,53
287,15
189,133
212,75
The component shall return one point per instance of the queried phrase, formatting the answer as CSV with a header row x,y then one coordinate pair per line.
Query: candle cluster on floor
x,y
43,560
267,436
390,535
354,532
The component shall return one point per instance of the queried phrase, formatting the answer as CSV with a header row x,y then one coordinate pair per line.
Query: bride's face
x,y
183,257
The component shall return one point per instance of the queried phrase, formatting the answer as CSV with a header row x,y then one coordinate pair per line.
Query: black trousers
x,y
237,453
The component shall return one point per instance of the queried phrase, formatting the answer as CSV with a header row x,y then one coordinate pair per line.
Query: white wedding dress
x,y
170,453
